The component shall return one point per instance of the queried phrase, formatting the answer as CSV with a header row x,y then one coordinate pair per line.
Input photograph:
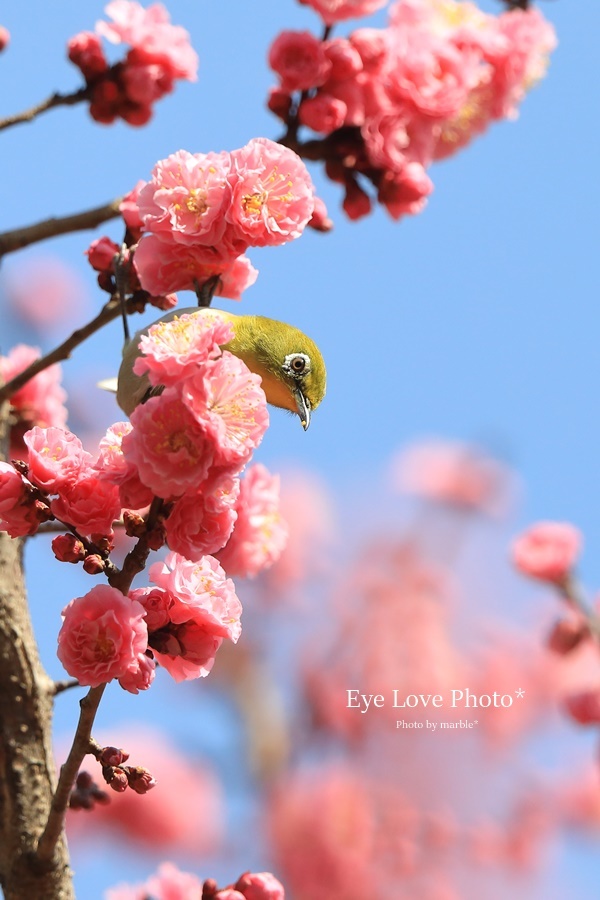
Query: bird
x,y
289,363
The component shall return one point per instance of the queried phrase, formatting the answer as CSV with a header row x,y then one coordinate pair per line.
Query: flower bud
x,y
584,707
140,779
68,548
112,756
260,886
567,634
93,564
116,778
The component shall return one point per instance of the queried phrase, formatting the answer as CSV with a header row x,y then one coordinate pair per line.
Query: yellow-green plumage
x,y
274,350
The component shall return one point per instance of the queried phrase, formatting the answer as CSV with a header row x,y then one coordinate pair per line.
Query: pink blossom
x,y
150,33
300,60
332,11
345,59
323,113
273,195
260,886
584,707
320,220
186,199
4,38
279,102
170,448
139,675
548,550
55,458
231,405
186,651
372,47
101,636
454,473
101,254
46,294
260,532
169,883
405,192
201,522
144,84
112,465
229,894
156,603
163,267
18,514
176,346
39,402
130,212
201,592
357,202
90,504
85,51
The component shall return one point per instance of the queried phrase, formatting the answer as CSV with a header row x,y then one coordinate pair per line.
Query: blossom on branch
x,y
201,212
102,635
160,54
548,551
392,100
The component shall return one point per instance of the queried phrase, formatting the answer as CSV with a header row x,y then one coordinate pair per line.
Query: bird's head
x,y
290,363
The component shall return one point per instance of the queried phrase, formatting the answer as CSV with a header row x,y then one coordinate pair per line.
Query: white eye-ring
x,y
296,364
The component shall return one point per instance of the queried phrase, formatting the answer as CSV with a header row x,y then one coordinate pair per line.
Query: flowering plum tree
x,y
378,106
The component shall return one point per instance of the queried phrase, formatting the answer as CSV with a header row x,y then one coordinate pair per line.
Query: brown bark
x,y
27,771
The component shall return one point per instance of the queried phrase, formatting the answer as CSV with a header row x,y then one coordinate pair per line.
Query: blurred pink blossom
x,y
548,551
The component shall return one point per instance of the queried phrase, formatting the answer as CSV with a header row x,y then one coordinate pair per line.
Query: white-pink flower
x,y
273,195
101,636
186,198
231,405
200,592
55,457
164,267
171,449
150,33
332,11
201,522
173,349
260,532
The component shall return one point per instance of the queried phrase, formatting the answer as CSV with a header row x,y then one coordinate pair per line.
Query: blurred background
x,y
473,324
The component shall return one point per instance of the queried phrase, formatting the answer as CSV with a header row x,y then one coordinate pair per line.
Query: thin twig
x,y
64,685
108,312
48,228
68,773
50,103
135,560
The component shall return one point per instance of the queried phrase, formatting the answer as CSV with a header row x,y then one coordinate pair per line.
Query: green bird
x,y
289,363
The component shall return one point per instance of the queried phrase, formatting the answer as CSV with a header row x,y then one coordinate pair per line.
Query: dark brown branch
x,y
50,103
81,746
108,312
135,560
48,228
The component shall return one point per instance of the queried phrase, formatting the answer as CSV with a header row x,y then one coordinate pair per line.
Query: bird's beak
x,y
303,406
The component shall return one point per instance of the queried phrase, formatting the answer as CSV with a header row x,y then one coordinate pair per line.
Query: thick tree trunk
x,y
27,772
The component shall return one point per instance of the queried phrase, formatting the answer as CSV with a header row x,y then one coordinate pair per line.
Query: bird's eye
x,y
296,364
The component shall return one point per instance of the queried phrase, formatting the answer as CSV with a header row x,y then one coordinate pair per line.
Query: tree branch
x,y
27,773
68,773
108,312
48,228
50,103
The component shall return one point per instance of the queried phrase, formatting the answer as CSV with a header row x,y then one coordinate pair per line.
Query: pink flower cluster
x,y
393,100
189,612
201,211
170,883
41,401
160,54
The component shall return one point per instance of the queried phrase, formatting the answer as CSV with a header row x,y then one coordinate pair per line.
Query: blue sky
x,y
476,320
